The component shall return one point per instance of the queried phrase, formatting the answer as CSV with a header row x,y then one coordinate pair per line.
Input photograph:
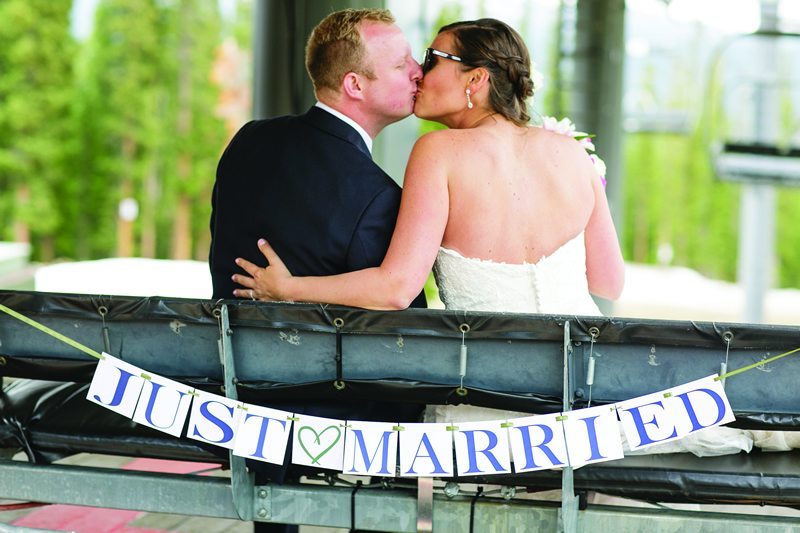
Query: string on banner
x,y
594,332
358,486
462,360
97,355
723,367
51,332
103,311
472,509
338,383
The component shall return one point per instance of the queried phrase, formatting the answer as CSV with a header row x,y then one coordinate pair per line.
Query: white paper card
x,y
163,405
699,405
592,435
426,450
537,443
370,448
214,419
116,385
674,413
318,442
263,434
645,421
481,448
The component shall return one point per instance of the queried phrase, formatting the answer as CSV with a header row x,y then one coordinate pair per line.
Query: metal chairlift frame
x,y
754,162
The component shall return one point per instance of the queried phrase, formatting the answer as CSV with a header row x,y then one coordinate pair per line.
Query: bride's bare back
x,y
516,194
504,193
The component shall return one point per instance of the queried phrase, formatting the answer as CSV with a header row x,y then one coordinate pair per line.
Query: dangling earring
x,y
469,102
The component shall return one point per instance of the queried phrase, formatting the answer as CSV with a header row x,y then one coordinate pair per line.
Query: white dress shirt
x,y
361,131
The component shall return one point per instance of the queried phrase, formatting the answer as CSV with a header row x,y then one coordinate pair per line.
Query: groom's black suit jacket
x,y
309,186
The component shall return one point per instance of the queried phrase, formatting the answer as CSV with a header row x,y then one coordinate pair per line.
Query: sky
x,y
82,17
735,16
83,11
730,16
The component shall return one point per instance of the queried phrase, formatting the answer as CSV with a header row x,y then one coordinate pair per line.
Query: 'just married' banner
x,y
574,438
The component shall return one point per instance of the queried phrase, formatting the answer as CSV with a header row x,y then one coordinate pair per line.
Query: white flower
x,y
563,126
566,127
599,166
587,143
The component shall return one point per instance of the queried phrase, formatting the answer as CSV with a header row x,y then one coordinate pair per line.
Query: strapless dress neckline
x,y
555,284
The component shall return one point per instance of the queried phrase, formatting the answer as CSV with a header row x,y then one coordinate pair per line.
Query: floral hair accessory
x,y
566,127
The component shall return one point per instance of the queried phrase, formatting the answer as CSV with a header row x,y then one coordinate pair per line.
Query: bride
x,y
511,217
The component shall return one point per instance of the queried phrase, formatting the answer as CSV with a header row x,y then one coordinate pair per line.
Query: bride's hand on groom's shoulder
x,y
262,283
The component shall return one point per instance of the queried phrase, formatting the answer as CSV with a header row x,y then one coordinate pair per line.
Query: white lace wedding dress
x,y
555,285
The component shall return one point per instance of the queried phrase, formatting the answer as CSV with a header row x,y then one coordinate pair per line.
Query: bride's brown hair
x,y
497,47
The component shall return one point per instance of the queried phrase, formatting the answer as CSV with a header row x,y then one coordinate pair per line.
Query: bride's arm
x,y
605,268
400,277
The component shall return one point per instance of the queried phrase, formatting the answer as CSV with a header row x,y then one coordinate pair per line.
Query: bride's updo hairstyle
x,y
497,47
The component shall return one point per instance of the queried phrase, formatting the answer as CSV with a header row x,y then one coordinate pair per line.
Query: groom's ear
x,y
352,86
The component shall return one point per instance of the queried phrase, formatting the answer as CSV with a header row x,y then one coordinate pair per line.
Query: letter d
x,y
720,404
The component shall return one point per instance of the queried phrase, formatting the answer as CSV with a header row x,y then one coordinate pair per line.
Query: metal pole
x,y
242,481
568,514
280,83
596,103
757,217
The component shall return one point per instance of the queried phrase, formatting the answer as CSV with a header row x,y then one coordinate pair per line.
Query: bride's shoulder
x,y
439,140
543,134
557,143
438,136
456,137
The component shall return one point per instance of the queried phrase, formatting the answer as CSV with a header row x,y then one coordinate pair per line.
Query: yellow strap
x,y
52,333
754,365
98,355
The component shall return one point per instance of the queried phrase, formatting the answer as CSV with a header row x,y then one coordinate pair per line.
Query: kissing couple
x,y
510,217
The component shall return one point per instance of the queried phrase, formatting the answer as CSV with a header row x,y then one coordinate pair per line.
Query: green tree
x,y
241,27
149,132
555,96
672,194
198,135
449,13
788,236
122,101
35,61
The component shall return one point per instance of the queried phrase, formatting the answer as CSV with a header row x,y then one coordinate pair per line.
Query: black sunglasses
x,y
430,59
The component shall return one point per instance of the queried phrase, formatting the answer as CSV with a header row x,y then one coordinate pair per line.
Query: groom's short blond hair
x,y
335,47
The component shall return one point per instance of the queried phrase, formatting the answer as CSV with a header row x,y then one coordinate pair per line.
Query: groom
x,y
308,183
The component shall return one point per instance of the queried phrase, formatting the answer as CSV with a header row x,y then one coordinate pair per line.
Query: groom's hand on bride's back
x,y
263,283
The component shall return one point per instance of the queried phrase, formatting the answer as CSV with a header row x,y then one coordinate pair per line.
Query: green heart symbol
x,y
317,436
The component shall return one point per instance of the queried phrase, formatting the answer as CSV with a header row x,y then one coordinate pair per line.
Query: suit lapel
x,y
321,119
